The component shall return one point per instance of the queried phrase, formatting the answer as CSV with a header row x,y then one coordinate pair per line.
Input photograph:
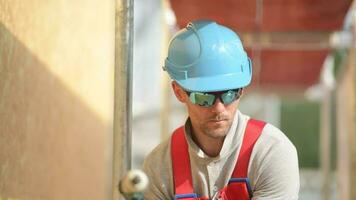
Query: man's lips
x,y
217,121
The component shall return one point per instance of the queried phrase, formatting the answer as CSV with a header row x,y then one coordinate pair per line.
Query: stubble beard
x,y
216,130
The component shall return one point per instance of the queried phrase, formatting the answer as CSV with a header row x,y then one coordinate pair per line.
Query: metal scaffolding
x,y
123,92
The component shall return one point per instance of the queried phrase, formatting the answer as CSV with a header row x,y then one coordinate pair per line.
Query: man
x,y
219,153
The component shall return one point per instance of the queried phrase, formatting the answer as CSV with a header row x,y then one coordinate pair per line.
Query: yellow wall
x,y
56,99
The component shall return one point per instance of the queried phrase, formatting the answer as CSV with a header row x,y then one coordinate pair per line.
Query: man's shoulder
x,y
270,134
274,161
159,154
273,142
157,166
274,136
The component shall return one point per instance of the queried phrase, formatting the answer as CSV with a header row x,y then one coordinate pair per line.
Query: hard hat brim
x,y
214,84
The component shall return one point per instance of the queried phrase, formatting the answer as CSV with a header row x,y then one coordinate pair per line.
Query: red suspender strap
x,y
253,131
181,163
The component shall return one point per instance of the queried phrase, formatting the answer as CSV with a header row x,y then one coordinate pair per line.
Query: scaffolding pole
x,y
123,92
325,136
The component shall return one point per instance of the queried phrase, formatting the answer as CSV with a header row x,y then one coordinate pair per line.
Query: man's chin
x,y
217,132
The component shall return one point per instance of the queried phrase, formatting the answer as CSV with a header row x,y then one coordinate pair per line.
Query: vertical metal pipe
x,y
343,152
165,89
352,63
256,47
123,91
166,108
259,14
325,134
346,119
166,105
346,116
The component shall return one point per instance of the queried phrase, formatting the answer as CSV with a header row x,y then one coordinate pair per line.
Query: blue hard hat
x,y
208,57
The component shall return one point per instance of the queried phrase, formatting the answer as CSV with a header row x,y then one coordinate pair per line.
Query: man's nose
x,y
218,106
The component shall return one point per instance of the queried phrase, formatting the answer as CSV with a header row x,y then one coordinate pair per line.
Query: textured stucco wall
x,y
56,99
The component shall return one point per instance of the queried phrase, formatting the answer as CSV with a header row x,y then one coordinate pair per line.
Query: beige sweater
x,y
273,168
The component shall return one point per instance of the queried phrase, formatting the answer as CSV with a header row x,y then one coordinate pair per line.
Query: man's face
x,y
214,121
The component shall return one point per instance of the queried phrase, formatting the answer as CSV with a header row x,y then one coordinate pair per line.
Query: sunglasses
x,y
207,99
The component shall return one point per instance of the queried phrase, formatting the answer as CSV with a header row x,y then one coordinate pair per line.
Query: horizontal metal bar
x,y
287,40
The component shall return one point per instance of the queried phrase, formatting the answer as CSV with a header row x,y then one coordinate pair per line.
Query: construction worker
x,y
219,153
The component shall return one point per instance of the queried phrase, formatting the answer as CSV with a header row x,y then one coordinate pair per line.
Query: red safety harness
x,y
238,187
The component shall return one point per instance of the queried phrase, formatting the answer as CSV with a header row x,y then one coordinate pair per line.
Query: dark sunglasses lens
x,y
230,96
202,99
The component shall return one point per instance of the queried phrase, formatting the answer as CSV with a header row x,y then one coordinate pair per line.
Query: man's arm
x,y
157,166
154,190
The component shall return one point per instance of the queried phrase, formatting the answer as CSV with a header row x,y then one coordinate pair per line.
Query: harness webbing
x,y
252,133
181,164
182,175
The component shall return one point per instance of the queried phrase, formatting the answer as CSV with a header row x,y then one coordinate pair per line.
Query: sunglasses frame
x,y
216,95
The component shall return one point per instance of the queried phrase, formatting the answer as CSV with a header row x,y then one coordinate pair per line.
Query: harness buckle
x,y
185,196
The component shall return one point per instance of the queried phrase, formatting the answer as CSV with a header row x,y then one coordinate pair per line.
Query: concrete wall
x,y
56,99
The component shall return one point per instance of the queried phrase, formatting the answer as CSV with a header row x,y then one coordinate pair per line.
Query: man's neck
x,y
210,146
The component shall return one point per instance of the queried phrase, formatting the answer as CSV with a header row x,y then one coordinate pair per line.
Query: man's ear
x,y
178,91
